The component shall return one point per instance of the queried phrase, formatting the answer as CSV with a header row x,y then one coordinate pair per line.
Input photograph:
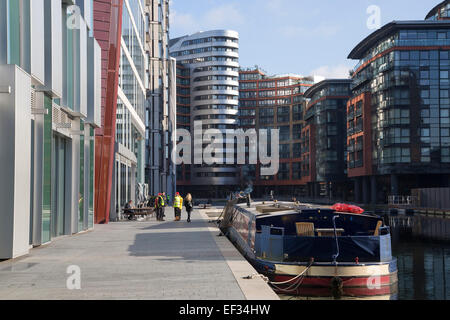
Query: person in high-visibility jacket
x,y
159,206
178,206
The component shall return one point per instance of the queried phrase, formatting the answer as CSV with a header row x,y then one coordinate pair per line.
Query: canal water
x,y
423,269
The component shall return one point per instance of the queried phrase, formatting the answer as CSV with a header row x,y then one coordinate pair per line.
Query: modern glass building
x,y
50,97
129,168
213,60
183,122
440,12
274,102
160,172
324,136
138,105
399,137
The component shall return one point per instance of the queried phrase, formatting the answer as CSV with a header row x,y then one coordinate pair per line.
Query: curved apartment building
x,y
213,60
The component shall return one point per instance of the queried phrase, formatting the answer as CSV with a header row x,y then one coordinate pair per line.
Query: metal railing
x,y
403,200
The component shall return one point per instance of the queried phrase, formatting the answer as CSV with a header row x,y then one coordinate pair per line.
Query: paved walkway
x,y
136,260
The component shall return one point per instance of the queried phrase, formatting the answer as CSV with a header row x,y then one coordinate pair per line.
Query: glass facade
x,y
60,178
440,12
409,99
55,59
326,115
398,116
131,104
274,103
47,179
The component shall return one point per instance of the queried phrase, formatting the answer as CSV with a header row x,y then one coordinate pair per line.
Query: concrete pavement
x,y
136,260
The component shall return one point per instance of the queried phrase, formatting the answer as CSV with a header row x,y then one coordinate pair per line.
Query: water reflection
x,y
423,270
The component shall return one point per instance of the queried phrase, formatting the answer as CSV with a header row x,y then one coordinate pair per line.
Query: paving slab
x,y
135,260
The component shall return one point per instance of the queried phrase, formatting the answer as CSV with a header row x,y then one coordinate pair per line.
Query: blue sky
x,y
307,37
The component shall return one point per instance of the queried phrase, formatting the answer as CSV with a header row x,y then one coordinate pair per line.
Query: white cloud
x,y
223,16
332,72
183,21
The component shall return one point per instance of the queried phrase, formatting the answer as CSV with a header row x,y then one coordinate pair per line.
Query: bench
x,y
143,212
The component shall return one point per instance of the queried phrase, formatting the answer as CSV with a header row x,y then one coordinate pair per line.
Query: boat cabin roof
x,y
290,209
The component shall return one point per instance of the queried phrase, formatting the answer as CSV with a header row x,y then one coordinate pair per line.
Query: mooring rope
x,y
295,282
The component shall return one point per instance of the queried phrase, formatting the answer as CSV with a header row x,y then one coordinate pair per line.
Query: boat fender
x,y
337,287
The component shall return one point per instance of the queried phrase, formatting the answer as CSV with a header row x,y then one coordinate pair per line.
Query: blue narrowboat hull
x,y
303,265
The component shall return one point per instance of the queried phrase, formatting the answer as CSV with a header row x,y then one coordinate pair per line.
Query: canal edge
x,y
253,289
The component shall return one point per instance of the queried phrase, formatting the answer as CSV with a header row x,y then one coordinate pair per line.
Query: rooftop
x,y
318,86
436,8
361,49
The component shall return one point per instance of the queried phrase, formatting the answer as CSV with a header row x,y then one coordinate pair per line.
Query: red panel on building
x,y
366,169
108,32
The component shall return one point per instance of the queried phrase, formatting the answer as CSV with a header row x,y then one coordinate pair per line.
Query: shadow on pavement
x,y
169,246
177,242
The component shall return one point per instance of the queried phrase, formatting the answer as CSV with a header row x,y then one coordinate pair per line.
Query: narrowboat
x,y
311,251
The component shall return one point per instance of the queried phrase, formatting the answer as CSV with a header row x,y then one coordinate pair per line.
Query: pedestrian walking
x,y
164,205
178,206
189,206
156,205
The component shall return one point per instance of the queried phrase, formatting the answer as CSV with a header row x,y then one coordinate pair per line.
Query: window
x,y
296,170
445,155
425,155
284,171
266,115
297,150
285,133
285,151
283,114
404,55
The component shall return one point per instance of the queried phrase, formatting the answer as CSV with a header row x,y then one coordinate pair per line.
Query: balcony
x,y
360,80
350,115
351,148
385,67
358,128
351,131
310,113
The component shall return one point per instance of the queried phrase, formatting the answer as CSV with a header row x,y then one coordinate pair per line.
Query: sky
x,y
306,37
